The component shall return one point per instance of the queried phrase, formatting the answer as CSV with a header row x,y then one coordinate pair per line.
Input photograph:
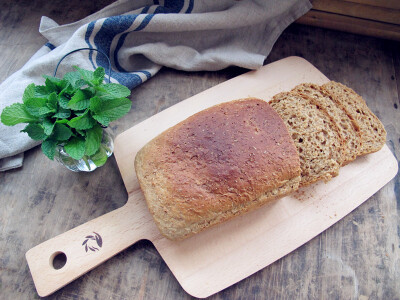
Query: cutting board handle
x,y
88,245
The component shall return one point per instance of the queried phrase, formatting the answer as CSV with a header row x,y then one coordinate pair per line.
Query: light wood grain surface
x,y
368,17
357,258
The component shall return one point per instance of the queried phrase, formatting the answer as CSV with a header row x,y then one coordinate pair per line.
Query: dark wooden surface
x,y
357,258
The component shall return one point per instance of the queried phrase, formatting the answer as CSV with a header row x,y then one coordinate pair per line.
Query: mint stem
x,y
86,161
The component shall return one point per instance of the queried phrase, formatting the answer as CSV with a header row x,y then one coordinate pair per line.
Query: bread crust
x,y
218,163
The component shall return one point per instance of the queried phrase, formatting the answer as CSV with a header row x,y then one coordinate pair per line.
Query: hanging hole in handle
x,y
58,260
91,49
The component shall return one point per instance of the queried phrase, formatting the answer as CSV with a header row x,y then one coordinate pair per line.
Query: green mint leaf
x,y
41,91
67,90
35,131
106,111
91,90
49,148
48,126
99,74
33,105
110,91
80,112
63,121
52,101
52,84
93,139
81,100
103,120
63,101
80,83
56,81
100,158
81,132
75,147
45,111
87,75
16,113
61,132
49,108
62,113
82,122
64,84
75,80
72,77
29,92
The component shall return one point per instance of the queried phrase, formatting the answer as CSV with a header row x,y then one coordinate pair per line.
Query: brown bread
x,y
239,155
217,164
311,129
373,134
347,130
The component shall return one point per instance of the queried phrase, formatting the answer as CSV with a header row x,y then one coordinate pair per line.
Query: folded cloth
x,y
142,36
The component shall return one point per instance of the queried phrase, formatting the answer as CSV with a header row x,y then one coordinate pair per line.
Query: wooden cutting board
x,y
223,255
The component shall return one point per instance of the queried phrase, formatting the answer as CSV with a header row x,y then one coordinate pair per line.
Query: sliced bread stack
x,y
372,132
318,145
346,128
331,125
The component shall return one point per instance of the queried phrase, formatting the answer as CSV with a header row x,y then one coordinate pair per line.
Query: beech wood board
x,y
227,253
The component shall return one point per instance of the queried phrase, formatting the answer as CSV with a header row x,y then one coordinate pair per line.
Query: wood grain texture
x,y
387,3
350,24
357,258
358,10
368,17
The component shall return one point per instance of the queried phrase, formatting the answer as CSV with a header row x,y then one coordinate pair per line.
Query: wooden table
x,y
357,258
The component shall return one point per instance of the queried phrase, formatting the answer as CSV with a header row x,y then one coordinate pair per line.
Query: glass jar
x,y
85,164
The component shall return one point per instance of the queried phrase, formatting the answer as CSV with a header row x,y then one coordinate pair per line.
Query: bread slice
x,y
311,129
217,164
347,130
373,134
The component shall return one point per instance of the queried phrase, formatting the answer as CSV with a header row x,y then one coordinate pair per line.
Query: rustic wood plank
x,y
387,3
350,24
358,10
356,258
395,49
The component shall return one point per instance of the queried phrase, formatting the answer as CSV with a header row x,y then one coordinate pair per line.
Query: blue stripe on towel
x,y
145,22
50,46
117,48
88,33
174,6
145,9
147,73
190,7
113,26
122,40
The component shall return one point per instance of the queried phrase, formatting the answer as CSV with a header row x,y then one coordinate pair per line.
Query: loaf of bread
x,y
239,155
217,164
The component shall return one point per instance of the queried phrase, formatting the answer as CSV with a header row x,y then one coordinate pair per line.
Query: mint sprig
x,y
70,112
